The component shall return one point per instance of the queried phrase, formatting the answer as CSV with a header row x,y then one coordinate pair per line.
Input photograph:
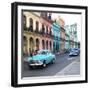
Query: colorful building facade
x,y
46,30
41,32
36,33
62,34
56,34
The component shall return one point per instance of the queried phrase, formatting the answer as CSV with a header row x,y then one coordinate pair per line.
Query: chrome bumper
x,y
36,64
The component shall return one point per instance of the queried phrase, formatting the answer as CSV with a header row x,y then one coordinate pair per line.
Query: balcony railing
x,y
56,38
63,39
62,29
39,32
71,41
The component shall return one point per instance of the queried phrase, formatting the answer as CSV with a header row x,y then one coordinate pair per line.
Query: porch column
x,y
28,46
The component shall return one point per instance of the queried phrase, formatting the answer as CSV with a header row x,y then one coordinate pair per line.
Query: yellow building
x,y
33,33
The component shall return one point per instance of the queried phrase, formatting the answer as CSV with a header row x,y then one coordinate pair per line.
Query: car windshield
x,y
42,52
74,49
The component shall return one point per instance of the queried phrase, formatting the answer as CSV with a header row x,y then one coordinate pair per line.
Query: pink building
x,y
46,31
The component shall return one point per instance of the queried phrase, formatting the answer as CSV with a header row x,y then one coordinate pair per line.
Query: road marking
x,y
67,70
71,58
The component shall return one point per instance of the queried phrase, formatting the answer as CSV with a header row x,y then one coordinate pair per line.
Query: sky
x,y
70,19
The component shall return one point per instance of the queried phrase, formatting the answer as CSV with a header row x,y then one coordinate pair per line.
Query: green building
x,y
67,45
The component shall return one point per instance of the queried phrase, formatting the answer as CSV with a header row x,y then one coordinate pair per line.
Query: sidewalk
x,y
71,69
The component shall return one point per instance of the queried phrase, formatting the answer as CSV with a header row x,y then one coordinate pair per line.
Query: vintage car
x,y
42,58
74,52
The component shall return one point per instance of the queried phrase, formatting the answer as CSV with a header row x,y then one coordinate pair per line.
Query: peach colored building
x,y
47,32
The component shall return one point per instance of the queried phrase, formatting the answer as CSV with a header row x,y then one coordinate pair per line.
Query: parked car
x,y
74,52
42,58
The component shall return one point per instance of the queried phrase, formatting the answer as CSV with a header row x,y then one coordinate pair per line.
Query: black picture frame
x,y
14,43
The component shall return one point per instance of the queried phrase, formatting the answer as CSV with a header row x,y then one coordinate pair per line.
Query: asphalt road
x,y
52,69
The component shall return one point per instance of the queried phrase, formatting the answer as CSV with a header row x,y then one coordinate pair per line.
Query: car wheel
x,y
44,64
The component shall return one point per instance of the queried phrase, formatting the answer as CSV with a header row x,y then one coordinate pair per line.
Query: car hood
x,y
38,57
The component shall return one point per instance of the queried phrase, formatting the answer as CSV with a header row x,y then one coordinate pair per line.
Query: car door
x,y
47,58
50,56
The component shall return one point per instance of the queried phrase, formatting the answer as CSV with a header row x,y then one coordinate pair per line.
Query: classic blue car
x,y
74,52
42,58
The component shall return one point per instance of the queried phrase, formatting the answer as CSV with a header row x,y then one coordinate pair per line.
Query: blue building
x,y
56,34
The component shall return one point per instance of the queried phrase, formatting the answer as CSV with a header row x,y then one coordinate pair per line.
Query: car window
x,y
42,52
72,49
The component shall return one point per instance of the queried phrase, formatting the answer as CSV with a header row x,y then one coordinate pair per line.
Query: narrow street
x,y
58,68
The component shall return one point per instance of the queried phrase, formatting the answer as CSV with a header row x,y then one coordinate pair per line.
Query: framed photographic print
x,y
49,44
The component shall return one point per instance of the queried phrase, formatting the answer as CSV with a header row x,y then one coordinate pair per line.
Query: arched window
x,y
46,29
43,28
31,24
43,44
50,45
37,44
50,32
46,44
37,25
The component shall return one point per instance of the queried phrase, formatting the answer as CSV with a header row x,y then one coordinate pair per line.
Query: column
x,y
28,45
40,45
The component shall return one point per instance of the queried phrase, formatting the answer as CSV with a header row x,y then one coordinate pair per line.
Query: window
x,y
50,45
46,29
31,24
50,32
43,44
37,25
46,44
43,28
37,44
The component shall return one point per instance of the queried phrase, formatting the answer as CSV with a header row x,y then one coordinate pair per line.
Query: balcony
x,y
47,35
30,29
62,28
56,38
63,39
37,31
71,41
40,32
